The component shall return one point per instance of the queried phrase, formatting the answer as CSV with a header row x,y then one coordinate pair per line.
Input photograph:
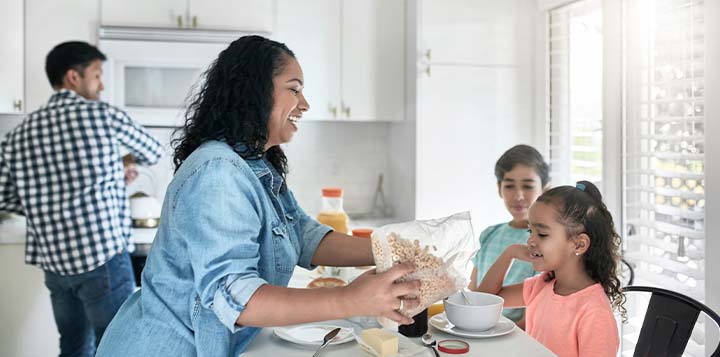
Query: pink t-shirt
x,y
580,324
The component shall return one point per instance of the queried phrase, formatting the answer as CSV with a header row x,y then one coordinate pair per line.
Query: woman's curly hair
x,y
582,210
234,102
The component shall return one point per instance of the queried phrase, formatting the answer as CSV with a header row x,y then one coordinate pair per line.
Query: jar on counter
x,y
362,233
332,212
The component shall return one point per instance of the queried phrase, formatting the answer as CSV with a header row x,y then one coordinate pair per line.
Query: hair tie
x,y
580,186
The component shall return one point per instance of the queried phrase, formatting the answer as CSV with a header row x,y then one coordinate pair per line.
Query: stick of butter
x,y
383,342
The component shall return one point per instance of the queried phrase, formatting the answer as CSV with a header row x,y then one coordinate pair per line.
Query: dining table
x,y
515,343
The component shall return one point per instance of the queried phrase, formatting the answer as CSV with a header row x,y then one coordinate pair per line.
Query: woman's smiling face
x,y
289,104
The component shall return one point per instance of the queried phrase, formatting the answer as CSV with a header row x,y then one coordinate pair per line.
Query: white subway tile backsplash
x,y
350,155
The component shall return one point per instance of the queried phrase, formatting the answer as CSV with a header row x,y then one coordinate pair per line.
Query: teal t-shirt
x,y
493,241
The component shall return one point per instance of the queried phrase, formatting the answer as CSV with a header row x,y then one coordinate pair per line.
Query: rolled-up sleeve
x,y
311,232
144,147
216,215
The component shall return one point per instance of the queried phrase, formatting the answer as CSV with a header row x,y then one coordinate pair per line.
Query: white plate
x,y
503,327
312,334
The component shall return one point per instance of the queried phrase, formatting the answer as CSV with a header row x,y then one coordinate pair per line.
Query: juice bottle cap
x,y
362,232
332,192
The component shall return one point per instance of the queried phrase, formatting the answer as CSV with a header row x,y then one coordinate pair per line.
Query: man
x,y
61,168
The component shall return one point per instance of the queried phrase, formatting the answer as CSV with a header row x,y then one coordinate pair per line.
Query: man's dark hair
x,y
69,55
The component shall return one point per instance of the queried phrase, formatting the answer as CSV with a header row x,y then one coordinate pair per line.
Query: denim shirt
x,y
226,229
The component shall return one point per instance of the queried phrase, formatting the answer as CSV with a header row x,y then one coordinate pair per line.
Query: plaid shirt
x,y
61,169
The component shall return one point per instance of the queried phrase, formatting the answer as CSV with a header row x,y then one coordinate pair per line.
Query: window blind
x,y
575,48
664,152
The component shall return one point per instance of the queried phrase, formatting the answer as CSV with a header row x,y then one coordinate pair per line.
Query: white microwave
x,y
152,80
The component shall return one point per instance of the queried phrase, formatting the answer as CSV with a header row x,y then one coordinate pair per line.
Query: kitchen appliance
x,y
151,72
145,209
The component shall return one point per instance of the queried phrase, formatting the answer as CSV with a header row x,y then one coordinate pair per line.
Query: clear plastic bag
x,y
440,249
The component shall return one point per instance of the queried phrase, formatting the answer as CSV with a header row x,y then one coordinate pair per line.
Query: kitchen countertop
x,y
12,231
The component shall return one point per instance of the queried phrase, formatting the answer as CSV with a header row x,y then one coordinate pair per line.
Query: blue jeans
x,y
84,304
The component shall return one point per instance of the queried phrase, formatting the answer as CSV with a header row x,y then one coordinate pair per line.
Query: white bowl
x,y
482,313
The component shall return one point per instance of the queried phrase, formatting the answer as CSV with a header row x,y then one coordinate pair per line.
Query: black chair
x,y
627,269
669,321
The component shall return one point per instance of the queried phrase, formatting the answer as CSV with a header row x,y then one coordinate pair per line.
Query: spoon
x,y
326,340
465,297
429,341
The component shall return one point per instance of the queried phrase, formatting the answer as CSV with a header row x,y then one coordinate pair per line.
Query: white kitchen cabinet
x,y
141,13
471,32
352,55
311,29
47,24
373,37
473,100
242,15
12,67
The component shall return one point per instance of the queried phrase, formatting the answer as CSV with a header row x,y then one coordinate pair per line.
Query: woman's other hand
x,y
377,294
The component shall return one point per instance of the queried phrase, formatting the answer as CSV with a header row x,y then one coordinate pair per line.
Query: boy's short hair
x,y
522,155
75,55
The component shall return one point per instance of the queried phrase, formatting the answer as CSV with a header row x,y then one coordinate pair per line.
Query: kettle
x,y
144,210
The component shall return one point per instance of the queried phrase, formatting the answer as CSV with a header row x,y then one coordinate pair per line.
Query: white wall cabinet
x,y
352,54
141,13
12,67
242,15
48,23
473,100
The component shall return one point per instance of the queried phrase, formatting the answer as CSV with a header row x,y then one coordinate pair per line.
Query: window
x,y
664,152
575,92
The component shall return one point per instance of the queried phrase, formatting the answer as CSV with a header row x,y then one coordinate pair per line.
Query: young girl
x,y
522,175
574,244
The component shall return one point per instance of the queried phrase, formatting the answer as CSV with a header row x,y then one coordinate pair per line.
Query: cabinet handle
x,y
428,54
345,109
332,109
179,21
194,21
428,72
17,104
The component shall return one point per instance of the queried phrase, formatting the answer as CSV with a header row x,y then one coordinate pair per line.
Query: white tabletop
x,y
516,343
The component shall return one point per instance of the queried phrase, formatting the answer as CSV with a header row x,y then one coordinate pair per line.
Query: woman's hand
x,y
373,294
519,252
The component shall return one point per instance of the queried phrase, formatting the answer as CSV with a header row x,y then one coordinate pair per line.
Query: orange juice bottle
x,y
332,213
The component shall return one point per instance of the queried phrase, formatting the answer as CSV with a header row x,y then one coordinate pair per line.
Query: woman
x,y
231,231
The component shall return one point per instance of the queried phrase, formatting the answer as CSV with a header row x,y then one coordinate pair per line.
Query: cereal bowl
x,y
482,313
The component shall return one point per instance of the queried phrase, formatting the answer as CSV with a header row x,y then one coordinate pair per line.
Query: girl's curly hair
x,y
582,210
234,102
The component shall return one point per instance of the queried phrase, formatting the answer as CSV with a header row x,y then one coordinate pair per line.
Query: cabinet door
x,y
470,32
373,57
467,117
142,13
244,15
311,29
11,56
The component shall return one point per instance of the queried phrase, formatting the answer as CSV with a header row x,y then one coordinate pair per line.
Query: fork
x,y
326,341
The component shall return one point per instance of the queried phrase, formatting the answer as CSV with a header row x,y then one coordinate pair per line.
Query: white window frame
x,y
613,111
